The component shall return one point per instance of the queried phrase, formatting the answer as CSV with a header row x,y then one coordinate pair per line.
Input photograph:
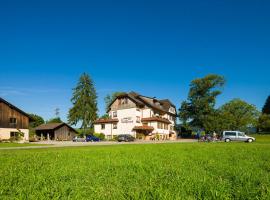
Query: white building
x,y
140,116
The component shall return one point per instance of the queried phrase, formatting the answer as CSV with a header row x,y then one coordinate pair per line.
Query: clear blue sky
x,y
152,47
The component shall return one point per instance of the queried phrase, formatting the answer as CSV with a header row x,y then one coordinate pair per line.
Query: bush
x,y
84,132
140,136
101,136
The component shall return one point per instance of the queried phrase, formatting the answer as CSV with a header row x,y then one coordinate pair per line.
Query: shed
x,y
56,131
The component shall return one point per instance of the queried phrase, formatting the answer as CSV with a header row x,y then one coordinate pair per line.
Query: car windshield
x,y
241,134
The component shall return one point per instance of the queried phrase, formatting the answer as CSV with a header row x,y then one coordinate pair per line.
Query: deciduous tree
x,y
238,115
201,100
264,123
54,120
36,120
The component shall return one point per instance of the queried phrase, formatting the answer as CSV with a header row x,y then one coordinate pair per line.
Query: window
x,y
14,134
102,126
172,110
138,119
138,110
13,121
166,126
114,126
230,133
160,125
241,134
114,114
145,124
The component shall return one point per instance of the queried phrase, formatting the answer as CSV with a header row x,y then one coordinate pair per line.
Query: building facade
x,y
13,122
56,131
140,116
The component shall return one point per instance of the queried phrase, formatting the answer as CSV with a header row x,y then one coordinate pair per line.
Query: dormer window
x,y
172,110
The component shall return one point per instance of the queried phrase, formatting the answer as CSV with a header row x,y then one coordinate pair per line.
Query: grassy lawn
x,y
150,171
3,145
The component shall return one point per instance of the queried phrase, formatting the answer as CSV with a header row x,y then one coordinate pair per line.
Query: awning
x,y
143,128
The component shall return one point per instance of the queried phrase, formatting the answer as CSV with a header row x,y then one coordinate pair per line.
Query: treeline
x,y
198,112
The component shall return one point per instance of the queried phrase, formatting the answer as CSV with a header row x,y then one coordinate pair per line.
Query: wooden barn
x,y
56,131
13,121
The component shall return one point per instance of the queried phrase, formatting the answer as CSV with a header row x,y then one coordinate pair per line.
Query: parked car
x,y
78,139
125,138
92,138
236,136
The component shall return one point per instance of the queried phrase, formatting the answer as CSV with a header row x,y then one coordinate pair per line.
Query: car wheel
x,y
249,140
227,140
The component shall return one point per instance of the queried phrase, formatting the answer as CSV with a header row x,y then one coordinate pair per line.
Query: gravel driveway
x,y
57,144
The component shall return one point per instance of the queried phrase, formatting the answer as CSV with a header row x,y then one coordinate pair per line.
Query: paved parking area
x,y
57,144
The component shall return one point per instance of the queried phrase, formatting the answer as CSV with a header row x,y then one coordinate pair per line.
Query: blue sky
x,y
153,47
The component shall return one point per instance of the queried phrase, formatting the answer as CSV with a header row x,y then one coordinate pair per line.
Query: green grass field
x,y
150,171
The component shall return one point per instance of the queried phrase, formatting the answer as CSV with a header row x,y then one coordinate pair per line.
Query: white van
x,y
236,136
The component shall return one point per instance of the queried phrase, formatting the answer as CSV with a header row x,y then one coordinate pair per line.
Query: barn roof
x,y
14,107
52,126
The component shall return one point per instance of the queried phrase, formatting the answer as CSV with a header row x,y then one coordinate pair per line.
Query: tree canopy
x,y
238,115
84,103
266,107
201,100
54,120
36,120
264,123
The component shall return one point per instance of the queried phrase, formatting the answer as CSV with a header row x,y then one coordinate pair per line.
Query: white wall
x,y
5,133
125,126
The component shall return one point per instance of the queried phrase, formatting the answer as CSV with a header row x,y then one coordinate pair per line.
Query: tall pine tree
x,y
84,102
266,107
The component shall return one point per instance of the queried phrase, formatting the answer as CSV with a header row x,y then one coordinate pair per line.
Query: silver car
x,y
236,136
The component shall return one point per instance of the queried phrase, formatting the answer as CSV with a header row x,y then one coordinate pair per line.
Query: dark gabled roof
x,y
132,96
52,126
140,100
14,107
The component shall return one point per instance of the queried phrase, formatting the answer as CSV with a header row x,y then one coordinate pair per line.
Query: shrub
x,y
140,136
101,136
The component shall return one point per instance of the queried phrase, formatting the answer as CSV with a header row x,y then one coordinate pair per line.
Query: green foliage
x,y
54,120
84,102
110,98
266,107
140,136
264,123
105,116
101,136
147,171
83,132
201,100
36,120
238,115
